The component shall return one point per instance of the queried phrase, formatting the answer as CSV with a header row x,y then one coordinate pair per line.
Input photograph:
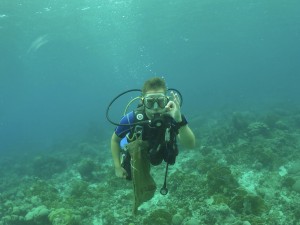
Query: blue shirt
x,y
121,131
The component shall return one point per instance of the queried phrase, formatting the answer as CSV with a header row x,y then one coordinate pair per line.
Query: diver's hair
x,y
154,83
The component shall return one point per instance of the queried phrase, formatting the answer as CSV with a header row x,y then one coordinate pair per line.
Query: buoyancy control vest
x,y
161,134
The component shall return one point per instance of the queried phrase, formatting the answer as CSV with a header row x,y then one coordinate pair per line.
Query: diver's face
x,y
154,102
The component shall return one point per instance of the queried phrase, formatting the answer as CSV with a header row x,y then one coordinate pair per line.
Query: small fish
x,y
38,43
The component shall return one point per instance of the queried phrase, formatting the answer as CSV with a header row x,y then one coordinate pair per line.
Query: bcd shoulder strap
x,y
137,130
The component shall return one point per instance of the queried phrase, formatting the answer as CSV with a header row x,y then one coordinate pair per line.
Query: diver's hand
x,y
120,172
173,107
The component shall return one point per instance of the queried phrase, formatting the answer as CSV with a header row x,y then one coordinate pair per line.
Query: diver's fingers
x,y
175,98
170,105
121,172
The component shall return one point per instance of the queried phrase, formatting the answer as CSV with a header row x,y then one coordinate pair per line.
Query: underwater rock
x,y
281,125
38,215
288,182
294,168
79,188
46,166
177,219
221,180
63,216
245,203
296,186
41,191
220,214
258,128
159,216
205,150
87,169
265,155
192,221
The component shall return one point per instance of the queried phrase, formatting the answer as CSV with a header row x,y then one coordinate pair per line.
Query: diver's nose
x,y
155,106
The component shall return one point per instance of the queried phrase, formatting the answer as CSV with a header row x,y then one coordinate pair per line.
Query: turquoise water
x,y
62,61
236,63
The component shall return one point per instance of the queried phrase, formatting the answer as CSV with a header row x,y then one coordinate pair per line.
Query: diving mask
x,y
153,101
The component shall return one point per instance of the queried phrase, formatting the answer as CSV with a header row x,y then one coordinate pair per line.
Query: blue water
x,y
63,61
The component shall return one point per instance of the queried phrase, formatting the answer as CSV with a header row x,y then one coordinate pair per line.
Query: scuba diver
x,y
157,120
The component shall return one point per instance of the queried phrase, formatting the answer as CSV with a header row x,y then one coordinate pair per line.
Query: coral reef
x,y
46,166
258,128
221,181
158,216
87,169
64,216
38,215
245,170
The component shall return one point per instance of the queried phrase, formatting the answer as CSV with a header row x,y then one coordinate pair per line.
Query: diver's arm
x,y
115,151
186,137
